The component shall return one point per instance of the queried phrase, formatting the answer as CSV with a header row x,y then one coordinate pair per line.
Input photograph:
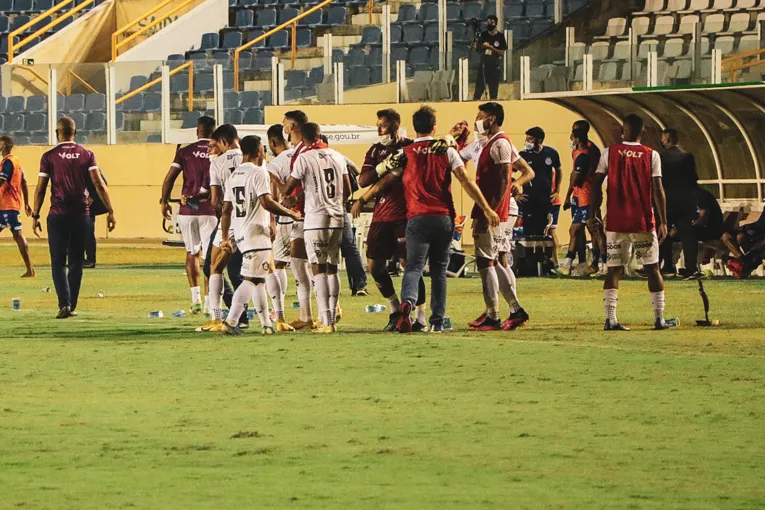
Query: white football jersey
x,y
250,222
223,166
279,167
321,172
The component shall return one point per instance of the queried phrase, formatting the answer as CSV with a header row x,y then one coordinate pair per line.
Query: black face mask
x,y
492,27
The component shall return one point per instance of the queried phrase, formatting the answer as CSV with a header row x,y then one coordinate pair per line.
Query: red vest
x,y
629,208
488,177
427,181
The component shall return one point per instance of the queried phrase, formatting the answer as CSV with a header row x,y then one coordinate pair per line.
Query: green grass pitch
x,y
114,410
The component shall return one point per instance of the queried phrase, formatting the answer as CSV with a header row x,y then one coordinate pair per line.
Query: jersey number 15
x,y
241,212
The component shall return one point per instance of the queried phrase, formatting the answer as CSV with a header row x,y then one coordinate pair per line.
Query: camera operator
x,y
491,44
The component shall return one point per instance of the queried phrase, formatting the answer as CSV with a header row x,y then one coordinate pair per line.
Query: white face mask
x,y
573,146
529,146
481,127
286,134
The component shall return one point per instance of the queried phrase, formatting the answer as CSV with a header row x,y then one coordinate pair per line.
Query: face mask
x,y
573,146
386,140
481,126
530,146
286,134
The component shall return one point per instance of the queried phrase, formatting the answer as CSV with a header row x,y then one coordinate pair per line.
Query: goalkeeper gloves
x,y
442,145
392,162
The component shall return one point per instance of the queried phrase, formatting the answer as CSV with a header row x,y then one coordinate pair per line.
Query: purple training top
x,y
67,165
194,161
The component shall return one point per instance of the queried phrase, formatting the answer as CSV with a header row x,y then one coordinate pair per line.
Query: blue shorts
x,y
555,212
579,215
10,219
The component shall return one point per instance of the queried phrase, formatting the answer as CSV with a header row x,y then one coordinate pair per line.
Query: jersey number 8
x,y
329,177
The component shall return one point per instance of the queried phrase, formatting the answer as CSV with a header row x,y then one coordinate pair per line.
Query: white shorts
x,y
282,242
323,246
196,231
490,244
619,246
297,231
256,264
219,238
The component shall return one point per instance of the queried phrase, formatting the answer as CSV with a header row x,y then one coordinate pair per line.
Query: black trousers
x,y
233,268
488,75
535,213
90,242
682,218
67,236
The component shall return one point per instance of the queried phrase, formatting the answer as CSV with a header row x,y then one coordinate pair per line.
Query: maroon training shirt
x,y
194,161
391,204
67,165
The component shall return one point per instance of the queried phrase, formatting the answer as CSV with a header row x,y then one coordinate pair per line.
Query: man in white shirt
x,y
323,174
246,207
225,139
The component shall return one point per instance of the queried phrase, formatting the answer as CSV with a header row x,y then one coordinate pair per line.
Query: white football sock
x,y
303,279
657,299
239,301
610,299
421,318
490,291
506,280
333,283
321,284
283,281
394,303
260,300
216,296
196,295
274,286
207,302
567,262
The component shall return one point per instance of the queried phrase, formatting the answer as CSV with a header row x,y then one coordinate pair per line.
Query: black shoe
x,y
697,275
614,327
660,324
361,293
419,327
88,265
404,324
64,313
437,328
392,322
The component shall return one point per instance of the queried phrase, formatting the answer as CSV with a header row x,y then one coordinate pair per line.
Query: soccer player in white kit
x,y
246,208
226,142
323,174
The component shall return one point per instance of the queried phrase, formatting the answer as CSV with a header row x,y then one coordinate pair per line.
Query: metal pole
x,y
276,100
696,41
401,92
327,54
386,43
716,66
218,90
166,103
558,11
507,62
442,28
52,105
449,50
111,106
653,69
525,76
588,72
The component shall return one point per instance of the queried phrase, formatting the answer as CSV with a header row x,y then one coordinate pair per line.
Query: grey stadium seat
x,y
674,48
74,103
37,123
134,104
642,25
253,116
714,23
687,23
609,71
95,102
250,99
406,13
617,27
37,104
152,102
15,104
96,122
233,116
664,25
337,15
230,100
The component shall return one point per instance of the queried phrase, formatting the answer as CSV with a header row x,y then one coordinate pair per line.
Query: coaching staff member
x,y
491,45
70,169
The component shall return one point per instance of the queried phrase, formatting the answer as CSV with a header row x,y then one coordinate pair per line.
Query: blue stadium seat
x,y
248,3
95,102
266,98
360,76
521,29
573,5
119,121
453,11
316,76
96,121
231,40
540,25
15,104
245,19
514,9
179,83
287,14
296,78
254,34
267,18
43,5
280,40
63,24
154,138
303,38
253,116
6,6
413,34
210,41
428,13
175,60
337,15
137,81
5,24
418,58
375,57
313,19
37,123
19,21
376,75
23,6
230,100
152,102
395,34
80,139
228,81
233,116
535,9
37,104
204,82
291,94
133,104
398,53
39,139
21,140
431,34
249,99
2,122
223,58
356,57
489,8
3,104
406,13
262,61
371,35
471,10
79,119
200,59
459,33
40,23
245,60
190,119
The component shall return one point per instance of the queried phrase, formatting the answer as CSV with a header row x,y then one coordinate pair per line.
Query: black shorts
x,y
386,240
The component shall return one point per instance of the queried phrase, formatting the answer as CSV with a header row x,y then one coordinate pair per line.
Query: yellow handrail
x,y
148,85
734,68
284,25
47,27
133,23
371,6
117,45
69,75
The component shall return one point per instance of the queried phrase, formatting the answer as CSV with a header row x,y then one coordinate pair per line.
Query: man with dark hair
x,y
246,208
494,177
13,186
292,124
492,45
680,184
386,237
545,161
225,142
68,167
635,216
427,177
196,217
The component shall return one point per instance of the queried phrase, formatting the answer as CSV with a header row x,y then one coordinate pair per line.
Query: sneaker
x,y
640,273
267,330
488,324
404,324
478,321
436,328
614,327
244,324
392,322
516,320
299,325
362,293
590,270
196,308
209,326
338,314
419,327
317,324
326,330
562,270
88,265
228,329
64,313
665,324
283,327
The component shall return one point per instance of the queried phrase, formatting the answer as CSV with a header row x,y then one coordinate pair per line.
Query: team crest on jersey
x,y
548,161
266,266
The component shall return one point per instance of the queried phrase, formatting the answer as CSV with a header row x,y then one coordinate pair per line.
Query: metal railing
x,y
263,37
69,75
116,45
729,66
68,14
188,65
